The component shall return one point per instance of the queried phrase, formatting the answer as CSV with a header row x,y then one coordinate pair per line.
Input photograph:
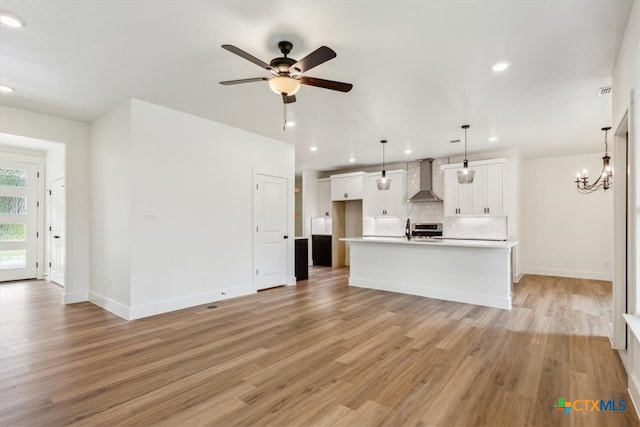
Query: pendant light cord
x,y
384,171
383,158
465,142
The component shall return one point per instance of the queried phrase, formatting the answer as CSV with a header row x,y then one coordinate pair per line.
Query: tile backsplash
x,y
483,227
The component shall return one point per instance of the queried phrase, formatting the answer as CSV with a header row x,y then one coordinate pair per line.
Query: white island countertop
x,y
506,244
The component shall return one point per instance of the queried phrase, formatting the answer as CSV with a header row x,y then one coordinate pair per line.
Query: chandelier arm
x,y
589,188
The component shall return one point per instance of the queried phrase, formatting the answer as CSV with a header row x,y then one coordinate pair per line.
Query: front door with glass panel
x,y
18,220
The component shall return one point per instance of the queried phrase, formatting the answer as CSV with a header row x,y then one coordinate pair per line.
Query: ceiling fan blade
x,y
248,57
327,84
315,58
237,82
288,99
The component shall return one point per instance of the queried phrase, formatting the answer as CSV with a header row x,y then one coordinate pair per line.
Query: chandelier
x,y
605,179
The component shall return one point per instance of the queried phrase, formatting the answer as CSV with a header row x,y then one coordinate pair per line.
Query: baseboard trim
x,y
109,304
75,297
575,274
634,393
518,277
165,306
443,294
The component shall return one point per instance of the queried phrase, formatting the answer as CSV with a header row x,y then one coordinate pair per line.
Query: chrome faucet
x,y
407,229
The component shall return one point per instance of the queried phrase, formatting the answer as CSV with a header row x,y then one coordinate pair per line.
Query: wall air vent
x,y
604,90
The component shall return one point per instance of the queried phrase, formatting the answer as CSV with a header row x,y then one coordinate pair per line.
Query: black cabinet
x,y
302,259
321,250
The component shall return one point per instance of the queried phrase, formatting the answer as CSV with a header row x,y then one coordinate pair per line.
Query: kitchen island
x,y
469,271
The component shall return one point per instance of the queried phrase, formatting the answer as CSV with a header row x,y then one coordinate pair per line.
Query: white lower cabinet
x,y
391,202
483,197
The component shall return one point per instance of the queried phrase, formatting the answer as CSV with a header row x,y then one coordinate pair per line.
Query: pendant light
x,y
383,182
605,179
465,176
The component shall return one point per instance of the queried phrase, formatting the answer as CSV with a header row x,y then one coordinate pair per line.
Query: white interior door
x,y
57,235
271,235
18,220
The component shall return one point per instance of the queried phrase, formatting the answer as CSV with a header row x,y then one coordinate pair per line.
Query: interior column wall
x,y
192,208
111,210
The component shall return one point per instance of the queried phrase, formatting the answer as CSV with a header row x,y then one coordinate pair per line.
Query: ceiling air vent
x,y
604,90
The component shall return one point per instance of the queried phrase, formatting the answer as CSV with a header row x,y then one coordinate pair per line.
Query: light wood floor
x,y
319,353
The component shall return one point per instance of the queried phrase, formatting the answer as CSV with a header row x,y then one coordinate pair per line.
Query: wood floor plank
x,y
317,354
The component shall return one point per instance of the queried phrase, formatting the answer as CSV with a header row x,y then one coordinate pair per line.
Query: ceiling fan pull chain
x,y
284,116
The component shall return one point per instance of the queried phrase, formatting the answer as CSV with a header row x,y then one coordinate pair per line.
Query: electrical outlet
x,y
203,279
108,283
149,214
606,263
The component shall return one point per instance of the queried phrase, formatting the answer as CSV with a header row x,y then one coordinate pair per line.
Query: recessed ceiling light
x,y
313,148
493,138
501,66
6,89
352,159
11,20
408,151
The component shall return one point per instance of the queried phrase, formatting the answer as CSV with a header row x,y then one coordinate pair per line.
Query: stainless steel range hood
x,y
426,193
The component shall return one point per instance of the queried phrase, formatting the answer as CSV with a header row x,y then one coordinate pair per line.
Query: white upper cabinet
x,y
494,189
347,186
324,197
391,202
483,197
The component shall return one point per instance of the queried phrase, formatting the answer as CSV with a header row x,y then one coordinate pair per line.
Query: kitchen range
x,y
424,230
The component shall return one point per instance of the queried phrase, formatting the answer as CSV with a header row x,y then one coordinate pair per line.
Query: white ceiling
x,y
419,69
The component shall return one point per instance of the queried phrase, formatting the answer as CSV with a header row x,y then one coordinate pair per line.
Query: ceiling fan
x,y
288,73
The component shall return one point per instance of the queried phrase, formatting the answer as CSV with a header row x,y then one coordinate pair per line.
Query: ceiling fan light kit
x,y
284,85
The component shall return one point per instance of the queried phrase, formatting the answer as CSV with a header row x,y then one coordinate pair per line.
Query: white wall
x,y
299,220
193,178
566,233
111,210
626,78
75,136
309,199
